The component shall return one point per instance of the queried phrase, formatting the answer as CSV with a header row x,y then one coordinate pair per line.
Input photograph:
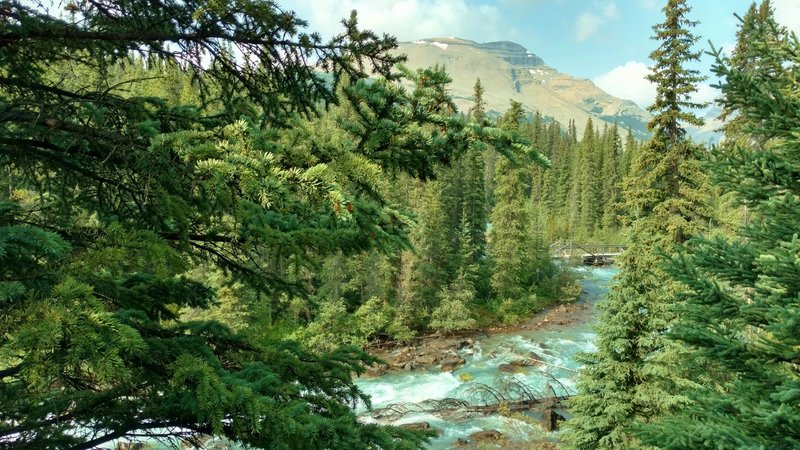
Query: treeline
x,y
579,198
481,225
479,243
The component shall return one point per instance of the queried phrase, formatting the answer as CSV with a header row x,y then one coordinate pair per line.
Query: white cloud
x,y
706,94
589,22
628,81
406,19
727,48
787,13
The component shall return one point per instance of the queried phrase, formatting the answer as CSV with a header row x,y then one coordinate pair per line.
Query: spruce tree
x,y
628,155
115,198
612,149
633,377
742,58
432,247
590,181
741,301
477,113
510,245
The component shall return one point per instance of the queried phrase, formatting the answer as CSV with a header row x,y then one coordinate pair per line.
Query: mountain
x,y
509,71
708,134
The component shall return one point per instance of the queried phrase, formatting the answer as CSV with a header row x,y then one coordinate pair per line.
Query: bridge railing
x,y
575,250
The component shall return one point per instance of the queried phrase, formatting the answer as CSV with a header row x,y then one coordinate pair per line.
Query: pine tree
x,y
477,113
742,59
510,244
612,147
628,155
117,197
675,83
590,181
633,377
741,299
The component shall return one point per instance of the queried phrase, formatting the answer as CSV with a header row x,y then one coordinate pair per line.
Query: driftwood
x,y
512,395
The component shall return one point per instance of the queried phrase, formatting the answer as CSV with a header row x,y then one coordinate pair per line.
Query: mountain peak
x,y
510,71
511,52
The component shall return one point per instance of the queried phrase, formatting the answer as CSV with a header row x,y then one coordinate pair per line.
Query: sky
x,y
606,41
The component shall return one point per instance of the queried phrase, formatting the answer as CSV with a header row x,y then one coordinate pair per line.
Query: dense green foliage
x,y
633,376
172,211
203,224
741,297
142,221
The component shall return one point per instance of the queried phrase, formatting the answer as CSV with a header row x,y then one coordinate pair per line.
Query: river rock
x,y
403,357
452,363
550,420
461,442
442,345
508,368
426,360
486,435
376,370
466,343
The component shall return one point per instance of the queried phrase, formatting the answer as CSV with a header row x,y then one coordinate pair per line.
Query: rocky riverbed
x,y
441,383
447,352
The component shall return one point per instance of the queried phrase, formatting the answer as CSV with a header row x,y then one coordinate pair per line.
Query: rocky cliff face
x,y
509,71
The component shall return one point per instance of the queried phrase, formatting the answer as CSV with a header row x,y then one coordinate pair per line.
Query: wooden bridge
x,y
589,254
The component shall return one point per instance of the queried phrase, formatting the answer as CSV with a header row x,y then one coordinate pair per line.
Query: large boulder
x,y
442,345
509,368
452,363
420,426
486,436
376,370
466,343
535,359
416,426
426,360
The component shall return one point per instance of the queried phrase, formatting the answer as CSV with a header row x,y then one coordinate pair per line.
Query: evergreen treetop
x,y
675,82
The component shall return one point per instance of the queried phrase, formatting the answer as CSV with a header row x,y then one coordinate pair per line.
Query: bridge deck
x,y
590,254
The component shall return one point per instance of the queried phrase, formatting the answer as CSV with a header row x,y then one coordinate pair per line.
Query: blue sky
x,y
607,41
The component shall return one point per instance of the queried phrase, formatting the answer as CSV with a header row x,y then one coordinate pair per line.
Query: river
x,y
555,344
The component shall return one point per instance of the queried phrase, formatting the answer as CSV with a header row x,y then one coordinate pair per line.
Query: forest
x,y
208,216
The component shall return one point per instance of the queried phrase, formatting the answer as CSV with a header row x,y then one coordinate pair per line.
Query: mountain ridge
x,y
509,71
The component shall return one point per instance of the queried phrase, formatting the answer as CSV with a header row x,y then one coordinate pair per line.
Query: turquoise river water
x,y
555,344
